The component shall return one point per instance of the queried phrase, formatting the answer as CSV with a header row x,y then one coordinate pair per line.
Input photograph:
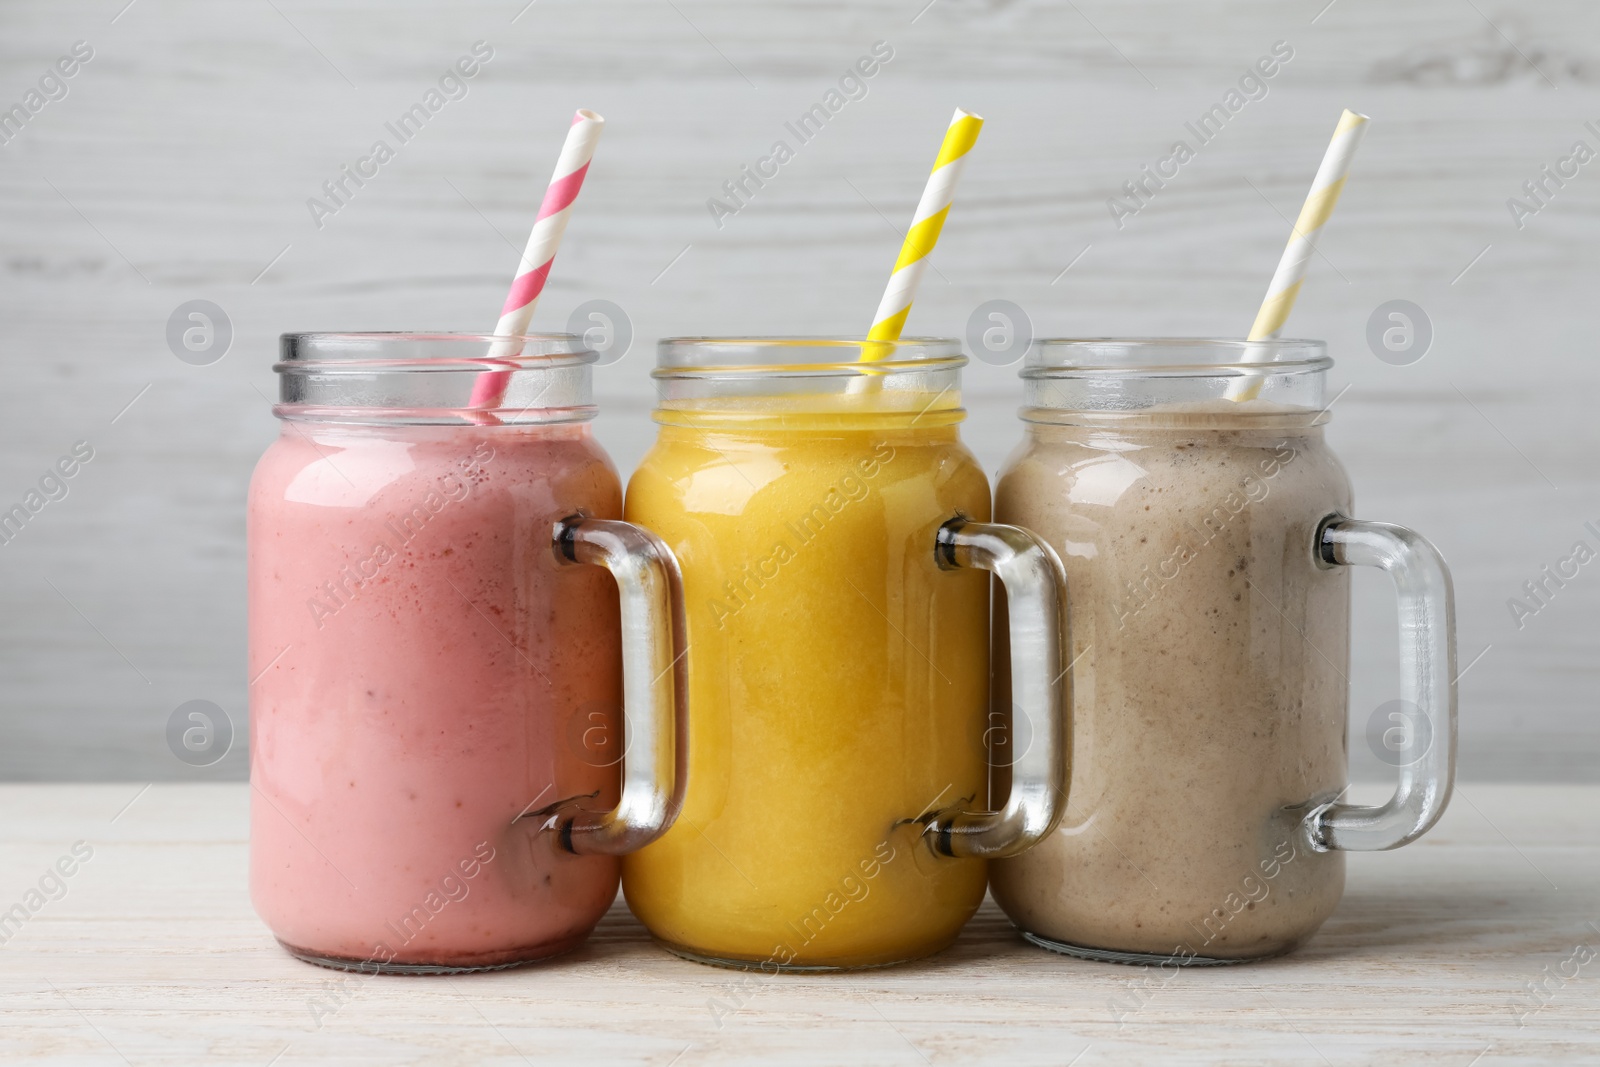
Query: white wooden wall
x,y
179,164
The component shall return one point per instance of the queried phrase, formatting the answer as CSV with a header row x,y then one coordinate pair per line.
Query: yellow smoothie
x,y
838,679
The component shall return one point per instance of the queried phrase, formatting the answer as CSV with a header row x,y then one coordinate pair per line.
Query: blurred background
x,y
176,162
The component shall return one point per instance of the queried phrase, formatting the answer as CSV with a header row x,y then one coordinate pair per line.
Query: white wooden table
x,y
153,956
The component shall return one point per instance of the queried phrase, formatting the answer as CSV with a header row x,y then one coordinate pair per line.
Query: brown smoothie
x,y
1209,686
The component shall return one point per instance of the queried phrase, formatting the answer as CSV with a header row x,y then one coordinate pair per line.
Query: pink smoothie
x,y
425,671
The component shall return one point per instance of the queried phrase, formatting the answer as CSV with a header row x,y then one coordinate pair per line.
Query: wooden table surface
x,y
153,956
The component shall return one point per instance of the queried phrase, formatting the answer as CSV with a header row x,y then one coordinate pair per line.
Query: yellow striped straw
x,y
924,233
1320,201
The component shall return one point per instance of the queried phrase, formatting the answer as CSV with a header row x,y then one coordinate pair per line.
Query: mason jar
x,y
438,684
836,548
1207,542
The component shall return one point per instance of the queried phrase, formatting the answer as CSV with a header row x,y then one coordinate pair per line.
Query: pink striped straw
x,y
543,242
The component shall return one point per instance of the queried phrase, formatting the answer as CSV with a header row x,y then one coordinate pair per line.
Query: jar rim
x,y
1060,357
802,356
434,378
399,350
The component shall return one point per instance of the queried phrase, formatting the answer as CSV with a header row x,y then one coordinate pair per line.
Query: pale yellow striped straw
x,y
923,234
1320,201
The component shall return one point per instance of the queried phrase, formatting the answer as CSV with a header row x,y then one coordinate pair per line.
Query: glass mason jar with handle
x,y
439,664
834,537
1208,544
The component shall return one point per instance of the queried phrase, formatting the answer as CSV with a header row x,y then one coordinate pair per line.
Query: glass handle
x,y
1035,586
655,702
1427,682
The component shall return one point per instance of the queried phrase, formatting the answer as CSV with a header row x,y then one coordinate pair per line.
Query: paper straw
x,y
534,268
1320,201
924,232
